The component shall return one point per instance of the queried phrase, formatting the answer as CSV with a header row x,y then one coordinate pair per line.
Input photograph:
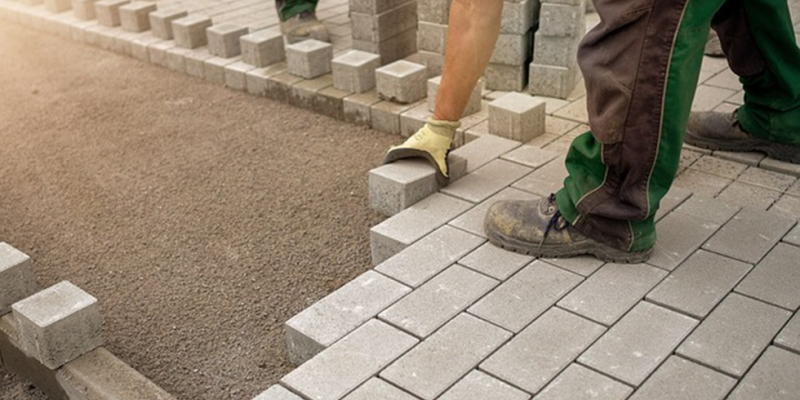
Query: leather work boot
x,y
538,229
304,26
720,131
713,46
432,142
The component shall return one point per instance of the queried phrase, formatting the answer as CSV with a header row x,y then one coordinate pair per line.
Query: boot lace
x,y
557,221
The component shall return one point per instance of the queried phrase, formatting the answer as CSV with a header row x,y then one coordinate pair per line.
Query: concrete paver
x,y
580,383
679,379
479,386
774,377
749,235
775,279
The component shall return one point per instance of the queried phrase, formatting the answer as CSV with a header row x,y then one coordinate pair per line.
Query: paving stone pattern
x,y
446,315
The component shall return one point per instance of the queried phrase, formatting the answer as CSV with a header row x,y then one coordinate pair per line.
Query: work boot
x,y
721,131
713,46
304,26
538,229
432,142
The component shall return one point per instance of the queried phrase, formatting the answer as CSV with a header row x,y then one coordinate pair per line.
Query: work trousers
x,y
641,66
289,8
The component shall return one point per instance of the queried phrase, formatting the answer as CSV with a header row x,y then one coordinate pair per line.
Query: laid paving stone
x,y
277,392
575,111
400,231
530,156
672,200
486,181
787,206
472,220
484,149
195,62
679,379
545,180
734,335
525,296
767,179
789,338
430,255
581,265
716,166
258,79
542,350
190,32
702,184
679,236
59,324
328,320
495,262
611,291
236,75
437,301
749,235
750,196
710,210
377,388
635,346
752,159
699,284
161,22
214,69
445,357
17,280
263,48
776,278
224,39
580,383
773,377
385,116
793,237
479,386
350,362
134,17
706,97
310,58
107,12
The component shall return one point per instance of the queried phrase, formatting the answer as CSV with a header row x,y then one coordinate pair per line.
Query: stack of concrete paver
x,y
508,67
433,18
387,28
554,70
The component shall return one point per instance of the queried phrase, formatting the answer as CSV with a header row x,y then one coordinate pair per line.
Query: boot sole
x,y
403,153
777,151
600,251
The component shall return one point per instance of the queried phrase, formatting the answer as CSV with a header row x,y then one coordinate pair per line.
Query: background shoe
x,y
538,229
720,131
304,26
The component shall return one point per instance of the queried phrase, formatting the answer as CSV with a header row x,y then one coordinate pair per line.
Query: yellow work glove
x,y
432,142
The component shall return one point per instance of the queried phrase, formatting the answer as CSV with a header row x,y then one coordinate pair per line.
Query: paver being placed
x,y
328,320
749,235
543,349
396,186
734,335
479,386
699,284
437,301
773,377
580,383
445,357
776,278
637,344
350,362
526,295
679,379
430,255
17,280
613,290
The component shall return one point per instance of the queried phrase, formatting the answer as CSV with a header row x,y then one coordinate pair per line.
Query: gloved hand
x,y
432,142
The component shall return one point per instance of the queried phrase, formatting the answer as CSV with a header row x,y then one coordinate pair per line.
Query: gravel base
x,y
200,217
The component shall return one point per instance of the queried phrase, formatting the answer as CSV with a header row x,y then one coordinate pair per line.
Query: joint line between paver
x,y
615,379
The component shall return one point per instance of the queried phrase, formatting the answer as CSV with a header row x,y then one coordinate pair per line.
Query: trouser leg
x,y
640,65
289,8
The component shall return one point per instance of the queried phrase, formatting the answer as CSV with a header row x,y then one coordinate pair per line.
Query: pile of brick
x,y
554,70
508,67
433,19
387,28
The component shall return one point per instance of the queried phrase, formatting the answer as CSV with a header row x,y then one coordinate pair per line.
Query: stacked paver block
x,y
58,6
190,31
401,82
432,33
134,17
107,12
263,48
309,59
161,22
554,70
354,71
508,67
224,39
16,277
385,27
517,116
84,9
59,324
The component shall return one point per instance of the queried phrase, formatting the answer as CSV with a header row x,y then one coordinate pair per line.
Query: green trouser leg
x,y
772,98
641,66
289,8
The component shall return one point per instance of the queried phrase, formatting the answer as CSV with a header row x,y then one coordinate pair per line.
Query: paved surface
x,y
713,315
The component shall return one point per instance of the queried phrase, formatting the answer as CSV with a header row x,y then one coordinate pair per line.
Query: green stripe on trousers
x,y
289,8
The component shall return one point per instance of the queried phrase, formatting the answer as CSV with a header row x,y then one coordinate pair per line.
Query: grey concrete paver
x,y
679,235
635,346
377,388
582,265
486,181
767,179
773,377
789,338
776,278
495,262
580,383
749,235
525,296
734,335
793,237
530,156
546,180
445,357
787,206
701,183
699,284
679,379
538,353
611,291
480,386
750,196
